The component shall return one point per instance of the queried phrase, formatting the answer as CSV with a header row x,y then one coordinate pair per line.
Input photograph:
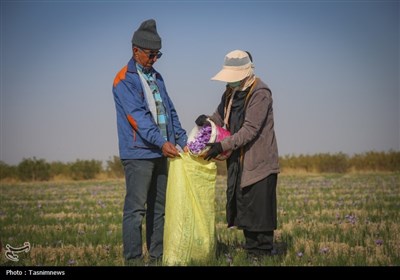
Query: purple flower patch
x,y
197,145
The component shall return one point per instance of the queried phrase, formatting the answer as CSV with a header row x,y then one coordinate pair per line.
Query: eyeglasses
x,y
152,55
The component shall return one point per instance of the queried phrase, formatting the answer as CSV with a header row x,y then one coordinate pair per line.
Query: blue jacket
x,y
138,135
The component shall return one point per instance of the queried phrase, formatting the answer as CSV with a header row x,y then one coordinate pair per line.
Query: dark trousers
x,y
256,241
257,213
146,184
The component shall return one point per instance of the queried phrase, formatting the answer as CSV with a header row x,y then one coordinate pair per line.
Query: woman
x,y
246,111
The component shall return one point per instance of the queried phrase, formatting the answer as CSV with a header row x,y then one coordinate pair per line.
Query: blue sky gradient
x,y
332,66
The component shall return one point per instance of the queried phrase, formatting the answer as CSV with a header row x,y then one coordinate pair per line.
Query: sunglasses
x,y
151,55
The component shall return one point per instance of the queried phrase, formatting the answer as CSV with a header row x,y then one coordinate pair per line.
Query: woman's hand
x,y
215,150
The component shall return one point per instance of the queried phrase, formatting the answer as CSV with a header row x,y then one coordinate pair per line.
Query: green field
x,y
326,220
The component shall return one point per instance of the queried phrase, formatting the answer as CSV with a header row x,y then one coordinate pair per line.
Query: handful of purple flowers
x,y
198,144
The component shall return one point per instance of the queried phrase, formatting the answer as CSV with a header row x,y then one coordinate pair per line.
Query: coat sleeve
x,y
255,117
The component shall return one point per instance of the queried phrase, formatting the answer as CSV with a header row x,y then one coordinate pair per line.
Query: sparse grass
x,y
326,220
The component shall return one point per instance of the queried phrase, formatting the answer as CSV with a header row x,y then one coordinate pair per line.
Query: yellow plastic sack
x,y
189,231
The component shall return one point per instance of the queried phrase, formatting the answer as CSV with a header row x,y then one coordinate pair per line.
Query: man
x,y
148,131
253,167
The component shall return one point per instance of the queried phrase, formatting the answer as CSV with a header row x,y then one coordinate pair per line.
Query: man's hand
x,y
169,150
215,150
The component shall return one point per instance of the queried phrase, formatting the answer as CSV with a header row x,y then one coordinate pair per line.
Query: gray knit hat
x,y
146,36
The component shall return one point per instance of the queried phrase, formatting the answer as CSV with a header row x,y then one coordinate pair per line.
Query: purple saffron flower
x,y
324,250
379,242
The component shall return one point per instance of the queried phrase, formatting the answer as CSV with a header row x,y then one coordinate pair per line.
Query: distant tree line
x,y
342,163
336,163
33,169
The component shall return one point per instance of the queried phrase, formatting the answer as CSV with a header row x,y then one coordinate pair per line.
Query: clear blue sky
x,y
332,66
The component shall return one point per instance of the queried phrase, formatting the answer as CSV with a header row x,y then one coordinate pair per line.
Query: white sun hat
x,y
237,66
